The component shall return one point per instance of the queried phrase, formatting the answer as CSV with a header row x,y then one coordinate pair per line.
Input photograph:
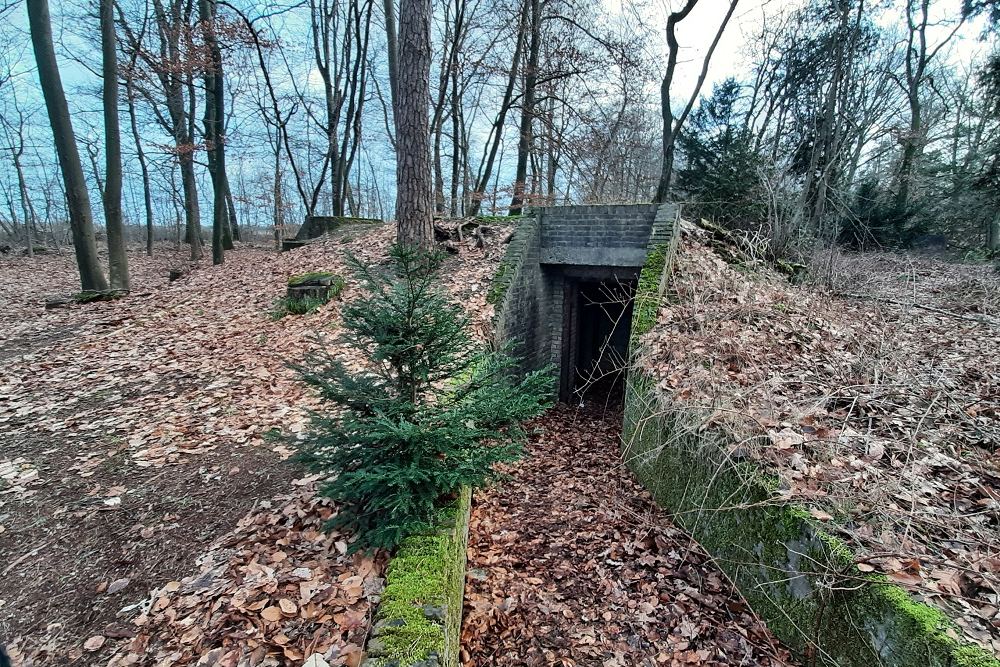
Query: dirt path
x,y
572,564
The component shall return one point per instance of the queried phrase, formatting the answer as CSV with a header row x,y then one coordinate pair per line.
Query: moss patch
x,y
420,616
92,296
302,278
499,284
647,292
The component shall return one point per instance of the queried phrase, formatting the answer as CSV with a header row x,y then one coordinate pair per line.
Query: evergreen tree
x,y
432,410
874,221
720,172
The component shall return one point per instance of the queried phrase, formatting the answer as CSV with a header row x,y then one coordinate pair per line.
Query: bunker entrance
x,y
597,323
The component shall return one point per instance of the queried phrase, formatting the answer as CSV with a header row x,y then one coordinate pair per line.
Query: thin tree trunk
x,y
525,138
497,131
392,48
215,102
27,208
414,208
671,127
147,194
234,222
117,255
279,204
77,199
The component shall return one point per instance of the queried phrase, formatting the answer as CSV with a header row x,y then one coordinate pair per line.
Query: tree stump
x,y
317,286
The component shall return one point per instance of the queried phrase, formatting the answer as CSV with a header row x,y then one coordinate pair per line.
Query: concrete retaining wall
x,y
801,580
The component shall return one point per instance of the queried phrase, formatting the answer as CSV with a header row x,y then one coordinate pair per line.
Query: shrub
x,y
430,412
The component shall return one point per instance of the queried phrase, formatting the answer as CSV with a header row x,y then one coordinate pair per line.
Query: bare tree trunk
x,y
392,48
77,199
671,127
414,208
234,222
456,146
919,55
117,256
437,119
993,233
173,82
27,208
525,139
147,194
215,101
279,203
483,182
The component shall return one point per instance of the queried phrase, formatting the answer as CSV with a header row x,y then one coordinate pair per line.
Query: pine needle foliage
x,y
430,412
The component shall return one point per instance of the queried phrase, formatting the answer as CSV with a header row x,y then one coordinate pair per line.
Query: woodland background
x,y
869,123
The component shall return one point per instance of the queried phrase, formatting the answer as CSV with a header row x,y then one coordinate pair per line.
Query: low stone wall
x,y
419,619
801,580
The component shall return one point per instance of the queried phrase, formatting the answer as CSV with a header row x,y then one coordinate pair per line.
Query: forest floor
x,y
147,516
571,563
874,394
138,484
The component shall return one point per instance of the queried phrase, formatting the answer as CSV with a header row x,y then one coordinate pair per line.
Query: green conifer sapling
x,y
431,411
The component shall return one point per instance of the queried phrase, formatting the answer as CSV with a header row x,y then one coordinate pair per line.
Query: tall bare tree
x,y
920,53
117,255
672,126
414,207
214,120
77,199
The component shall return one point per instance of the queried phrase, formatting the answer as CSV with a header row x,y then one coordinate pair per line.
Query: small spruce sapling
x,y
430,412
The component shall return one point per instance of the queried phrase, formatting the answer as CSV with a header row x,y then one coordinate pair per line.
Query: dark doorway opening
x,y
597,323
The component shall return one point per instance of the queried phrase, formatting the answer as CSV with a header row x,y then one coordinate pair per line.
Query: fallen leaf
x,y
272,614
94,643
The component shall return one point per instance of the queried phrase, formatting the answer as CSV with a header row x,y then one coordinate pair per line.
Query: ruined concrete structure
x,y
566,284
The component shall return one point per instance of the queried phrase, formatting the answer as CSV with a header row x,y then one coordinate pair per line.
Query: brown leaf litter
x,y
875,396
135,437
571,563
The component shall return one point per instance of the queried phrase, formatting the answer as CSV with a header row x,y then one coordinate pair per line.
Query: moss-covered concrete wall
x,y
801,580
419,619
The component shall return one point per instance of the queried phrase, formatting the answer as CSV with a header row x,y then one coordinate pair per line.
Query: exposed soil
x,y
571,563
70,543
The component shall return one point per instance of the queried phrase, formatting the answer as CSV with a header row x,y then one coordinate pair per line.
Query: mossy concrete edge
x,y
799,578
419,618
510,265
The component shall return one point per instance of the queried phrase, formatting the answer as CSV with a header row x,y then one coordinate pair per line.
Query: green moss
x,y
421,609
973,656
285,306
295,281
500,283
647,292
91,296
